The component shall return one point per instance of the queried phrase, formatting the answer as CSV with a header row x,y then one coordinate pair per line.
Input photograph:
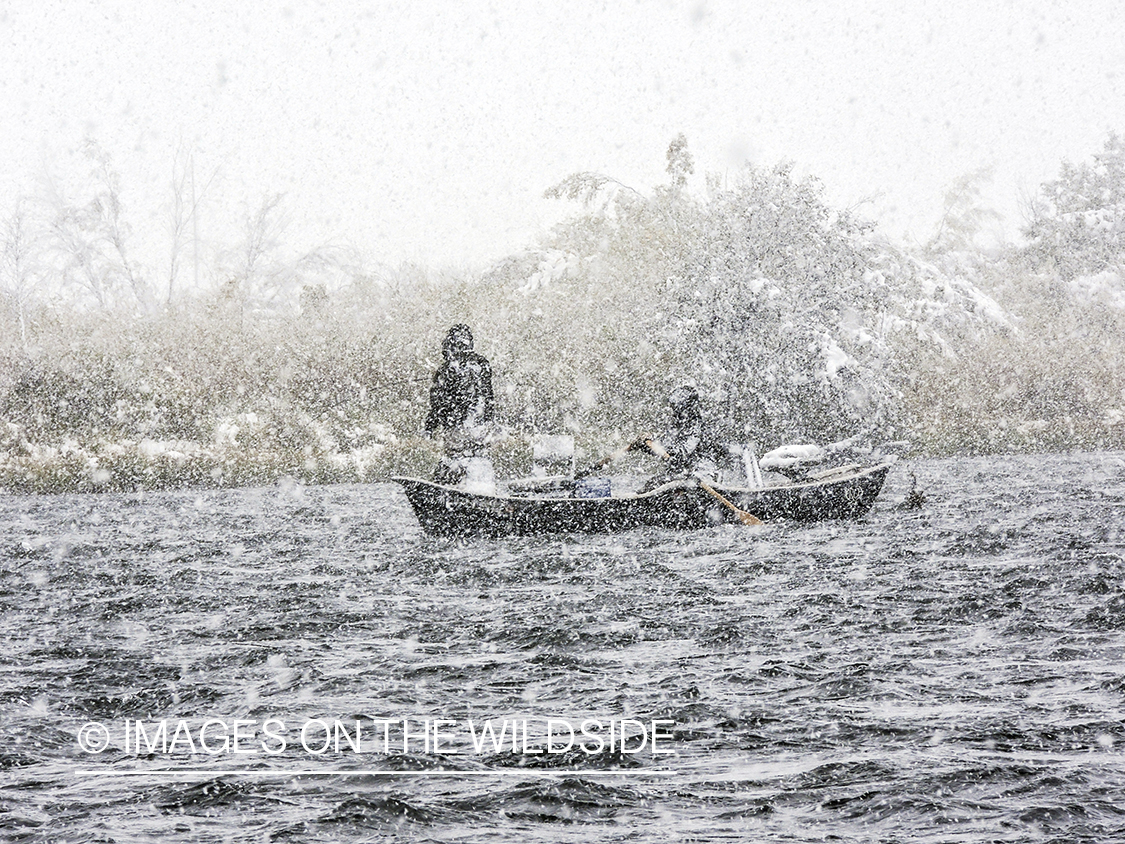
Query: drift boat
x,y
531,506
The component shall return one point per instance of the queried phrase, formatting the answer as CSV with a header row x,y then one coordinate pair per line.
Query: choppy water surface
x,y
955,673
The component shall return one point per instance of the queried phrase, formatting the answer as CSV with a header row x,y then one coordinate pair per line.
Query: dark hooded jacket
x,y
689,441
461,394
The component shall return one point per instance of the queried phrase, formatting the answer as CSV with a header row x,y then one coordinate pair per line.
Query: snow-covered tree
x,y
91,241
21,268
1077,222
790,319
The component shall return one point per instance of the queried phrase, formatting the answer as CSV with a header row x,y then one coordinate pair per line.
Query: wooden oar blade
x,y
745,518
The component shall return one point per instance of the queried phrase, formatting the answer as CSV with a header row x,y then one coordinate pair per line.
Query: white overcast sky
x,y
428,131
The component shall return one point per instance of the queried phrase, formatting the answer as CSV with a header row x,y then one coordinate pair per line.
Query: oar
x,y
743,516
605,461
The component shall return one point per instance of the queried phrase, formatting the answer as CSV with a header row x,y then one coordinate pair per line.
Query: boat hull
x,y
683,505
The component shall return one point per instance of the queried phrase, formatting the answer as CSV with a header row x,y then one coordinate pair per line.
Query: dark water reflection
x,y
955,673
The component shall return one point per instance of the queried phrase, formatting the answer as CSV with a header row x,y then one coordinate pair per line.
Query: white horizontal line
x,y
523,772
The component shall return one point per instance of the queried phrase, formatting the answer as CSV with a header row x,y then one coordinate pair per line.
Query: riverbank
x,y
73,466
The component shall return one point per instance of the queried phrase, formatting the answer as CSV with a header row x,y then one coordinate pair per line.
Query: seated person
x,y
689,447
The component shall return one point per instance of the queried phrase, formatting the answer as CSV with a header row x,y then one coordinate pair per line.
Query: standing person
x,y
461,405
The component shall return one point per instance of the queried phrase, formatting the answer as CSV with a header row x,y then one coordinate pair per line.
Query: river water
x,y
949,673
